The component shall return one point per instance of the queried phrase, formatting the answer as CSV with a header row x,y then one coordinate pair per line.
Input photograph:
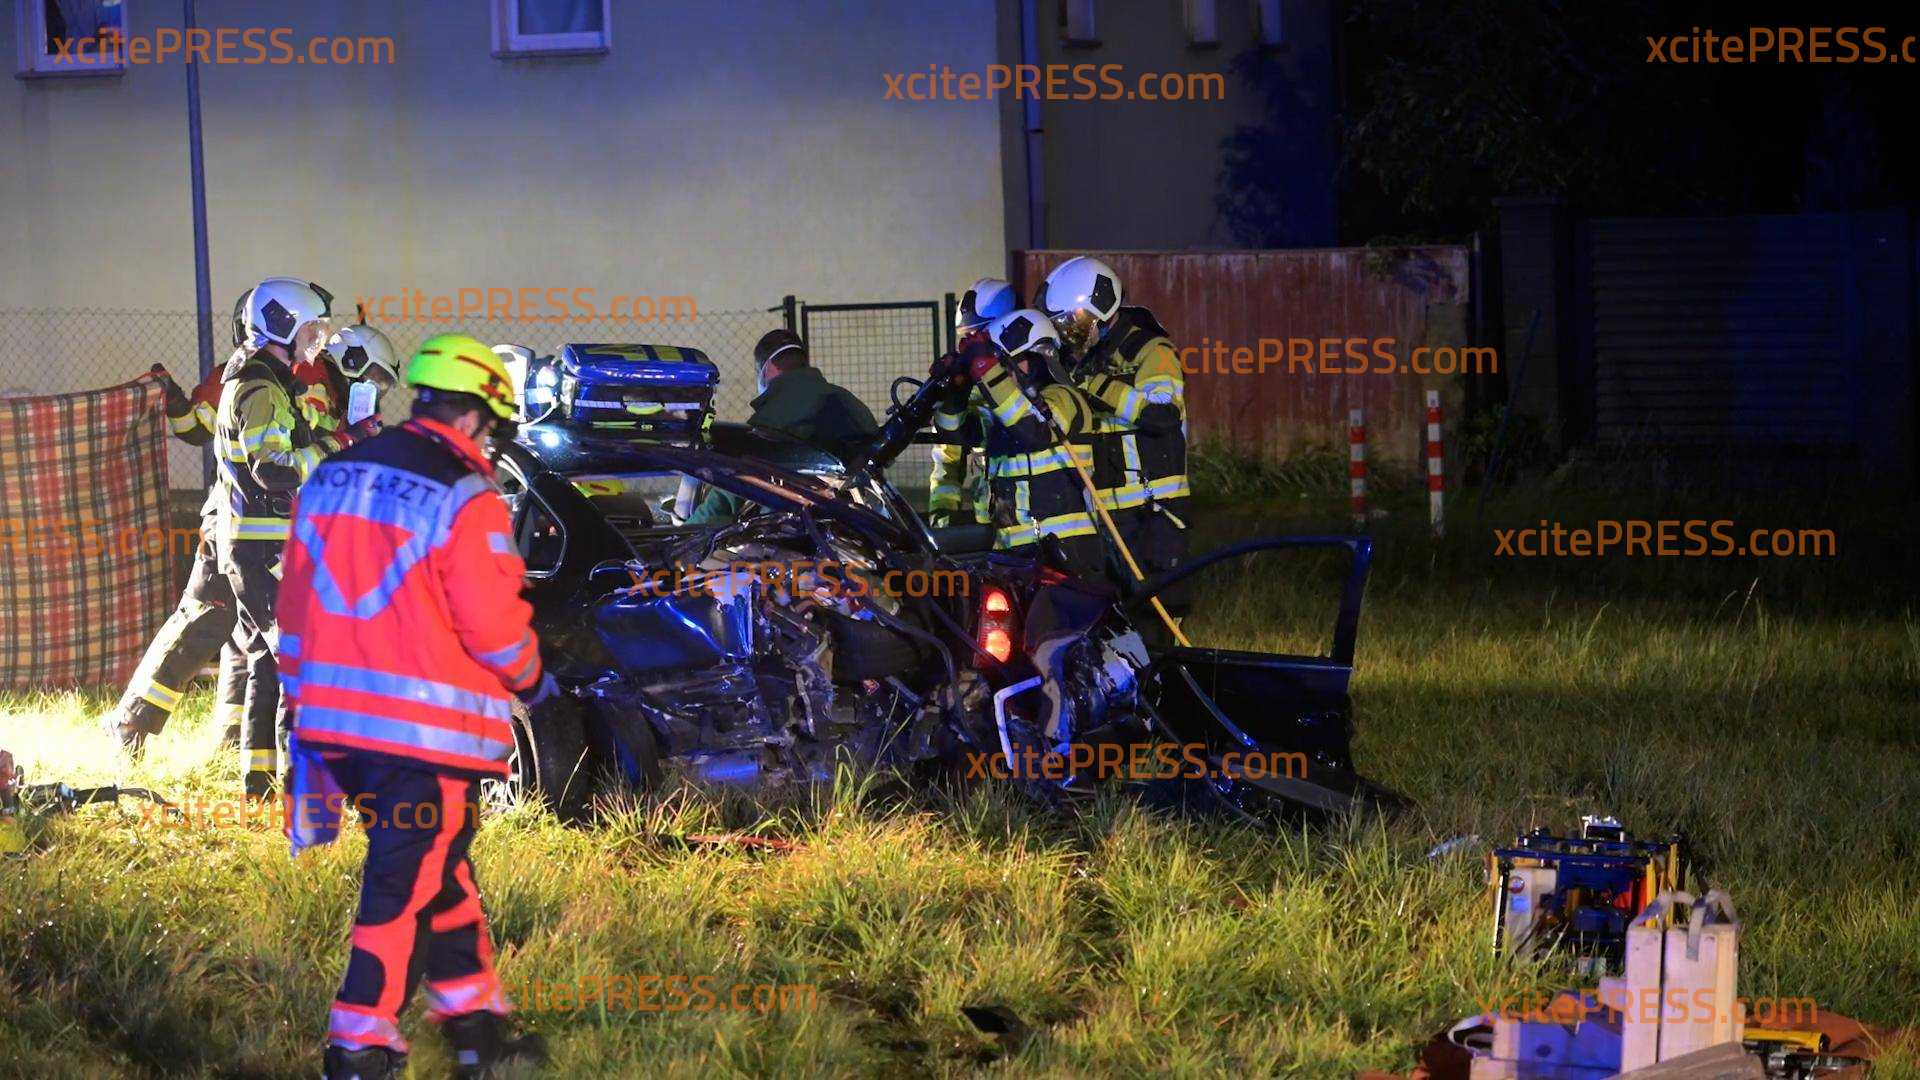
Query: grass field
x,y
1765,707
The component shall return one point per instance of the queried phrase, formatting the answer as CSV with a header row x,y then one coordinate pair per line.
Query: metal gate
x,y
1775,333
865,347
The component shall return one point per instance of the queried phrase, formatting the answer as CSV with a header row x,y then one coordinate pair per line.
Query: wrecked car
x,y
826,624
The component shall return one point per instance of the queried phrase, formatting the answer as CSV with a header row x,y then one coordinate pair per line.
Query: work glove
x,y
970,360
207,393
344,437
177,403
539,693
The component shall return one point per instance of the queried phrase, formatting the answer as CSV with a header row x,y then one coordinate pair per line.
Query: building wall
x,y
1143,175
730,152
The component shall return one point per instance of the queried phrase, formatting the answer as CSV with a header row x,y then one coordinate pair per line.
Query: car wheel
x,y
624,750
548,764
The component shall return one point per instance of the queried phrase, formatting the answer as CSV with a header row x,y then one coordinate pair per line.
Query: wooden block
x,y
1728,1061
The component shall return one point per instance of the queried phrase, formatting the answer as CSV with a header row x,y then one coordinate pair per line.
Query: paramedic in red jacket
x,y
403,642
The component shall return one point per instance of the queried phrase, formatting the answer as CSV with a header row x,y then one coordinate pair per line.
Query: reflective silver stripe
x,y
501,657
467,995
387,684
374,600
499,544
402,733
357,1031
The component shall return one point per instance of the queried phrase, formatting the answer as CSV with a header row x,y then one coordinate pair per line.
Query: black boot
x,y
485,1046
372,1063
126,730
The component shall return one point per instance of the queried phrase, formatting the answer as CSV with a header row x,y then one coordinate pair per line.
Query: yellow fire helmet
x,y
459,364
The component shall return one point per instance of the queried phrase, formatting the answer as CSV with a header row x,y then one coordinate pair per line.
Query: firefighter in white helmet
x,y
1037,505
1125,363
265,445
954,497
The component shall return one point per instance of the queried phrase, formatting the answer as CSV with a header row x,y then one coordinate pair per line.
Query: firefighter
x,y
1037,504
1125,363
404,640
204,621
954,496
265,447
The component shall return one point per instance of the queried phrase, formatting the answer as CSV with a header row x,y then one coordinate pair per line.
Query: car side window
x,y
537,532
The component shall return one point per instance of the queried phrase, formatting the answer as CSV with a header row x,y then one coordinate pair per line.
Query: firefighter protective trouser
x,y
420,912
253,572
204,622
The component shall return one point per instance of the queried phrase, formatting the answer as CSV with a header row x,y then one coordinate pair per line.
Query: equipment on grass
x,y
63,799
1789,1054
1579,893
1679,993
13,839
18,800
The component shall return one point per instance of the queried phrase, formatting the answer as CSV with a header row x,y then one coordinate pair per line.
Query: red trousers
x,y
419,908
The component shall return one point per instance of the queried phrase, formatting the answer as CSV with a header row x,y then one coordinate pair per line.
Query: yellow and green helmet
x,y
460,364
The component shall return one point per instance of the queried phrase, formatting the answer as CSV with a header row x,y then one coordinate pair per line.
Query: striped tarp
x,y
84,570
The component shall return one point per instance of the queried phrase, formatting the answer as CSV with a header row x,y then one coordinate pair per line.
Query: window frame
x,y
34,62
1079,24
508,42
518,515
1269,23
1201,19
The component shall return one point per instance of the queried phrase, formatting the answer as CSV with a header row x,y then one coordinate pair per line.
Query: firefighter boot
x,y
485,1046
372,1063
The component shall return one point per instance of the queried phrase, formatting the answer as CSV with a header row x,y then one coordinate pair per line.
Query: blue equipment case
x,y
658,392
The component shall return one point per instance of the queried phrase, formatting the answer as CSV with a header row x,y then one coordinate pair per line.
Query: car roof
x,y
571,450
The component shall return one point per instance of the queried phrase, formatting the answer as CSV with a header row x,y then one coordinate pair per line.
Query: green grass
x,y
1768,710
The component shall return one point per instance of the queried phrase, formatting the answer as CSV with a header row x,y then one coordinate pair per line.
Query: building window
x,y
1203,21
1266,22
72,37
1077,23
550,27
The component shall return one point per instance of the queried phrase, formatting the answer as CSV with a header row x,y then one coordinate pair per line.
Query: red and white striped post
x,y
1357,466
1436,459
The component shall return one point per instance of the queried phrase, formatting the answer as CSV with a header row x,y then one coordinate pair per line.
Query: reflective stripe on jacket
x,y
262,447
402,628
1133,376
1032,490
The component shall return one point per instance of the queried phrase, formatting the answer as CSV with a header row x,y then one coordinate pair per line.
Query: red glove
x,y
970,360
979,354
365,429
208,392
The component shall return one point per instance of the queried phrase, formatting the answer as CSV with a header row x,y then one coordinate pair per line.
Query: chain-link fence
x,y
861,347
865,348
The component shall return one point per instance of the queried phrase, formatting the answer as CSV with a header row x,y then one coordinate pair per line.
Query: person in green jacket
x,y
797,399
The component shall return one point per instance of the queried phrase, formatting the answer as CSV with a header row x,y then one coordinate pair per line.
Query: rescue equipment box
x,y
1579,893
657,392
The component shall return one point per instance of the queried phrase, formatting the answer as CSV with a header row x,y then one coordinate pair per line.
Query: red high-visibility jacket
x,y
402,629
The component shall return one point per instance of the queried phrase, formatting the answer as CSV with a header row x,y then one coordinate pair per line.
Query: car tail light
x,y
998,624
